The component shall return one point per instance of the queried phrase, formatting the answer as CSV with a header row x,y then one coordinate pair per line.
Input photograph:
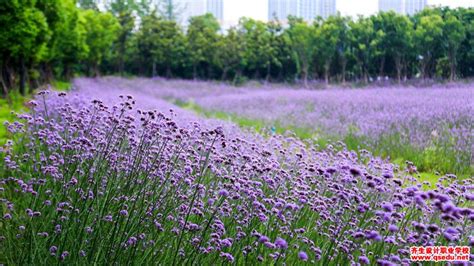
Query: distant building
x,y
190,8
309,9
327,8
216,8
392,5
306,9
281,9
405,7
414,6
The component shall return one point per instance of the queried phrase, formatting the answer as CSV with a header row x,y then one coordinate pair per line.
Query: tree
x,y
67,44
259,52
278,46
161,41
101,32
123,10
202,38
454,34
301,36
380,52
363,41
343,50
229,52
397,38
428,37
466,50
169,9
327,34
23,38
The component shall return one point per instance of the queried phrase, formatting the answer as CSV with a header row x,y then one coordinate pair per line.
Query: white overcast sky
x,y
258,9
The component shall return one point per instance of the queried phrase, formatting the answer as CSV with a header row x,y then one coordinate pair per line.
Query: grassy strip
x,y
61,85
15,103
429,161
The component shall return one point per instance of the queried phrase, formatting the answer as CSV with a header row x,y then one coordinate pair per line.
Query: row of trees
x,y
45,39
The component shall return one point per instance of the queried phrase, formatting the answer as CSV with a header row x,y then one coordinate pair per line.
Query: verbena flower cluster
x,y
114,181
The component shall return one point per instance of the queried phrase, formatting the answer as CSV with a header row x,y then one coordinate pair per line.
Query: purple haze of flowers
x,y
435,118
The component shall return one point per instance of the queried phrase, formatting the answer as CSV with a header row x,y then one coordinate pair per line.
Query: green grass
x,y
14,103
61,85
438,158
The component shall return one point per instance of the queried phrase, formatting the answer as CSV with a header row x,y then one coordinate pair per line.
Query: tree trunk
x,y
168,72
4,86
424,66
382,67
343,66
66,71
153,72
209,71
326,72
121,66
422,69
121,54
452,65
96,71
404,69
224,73
10,77
398,65
257,74
305,76
267,78
22,76
194,72
453,71
49,72
365,75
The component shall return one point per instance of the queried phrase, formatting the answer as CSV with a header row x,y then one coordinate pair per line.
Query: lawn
x,y
14,104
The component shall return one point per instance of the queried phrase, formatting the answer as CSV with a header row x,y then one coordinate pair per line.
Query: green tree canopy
x,y
101,32
202,36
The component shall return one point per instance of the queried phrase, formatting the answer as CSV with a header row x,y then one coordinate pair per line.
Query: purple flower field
x,y
430,121
420,114
432,127
119,178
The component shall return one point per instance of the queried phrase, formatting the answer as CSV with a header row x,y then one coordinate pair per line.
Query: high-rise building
x,y
406,7
306,9
281,9
391,5
309,9
182,10
190,8
414,6
327,8
216,8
